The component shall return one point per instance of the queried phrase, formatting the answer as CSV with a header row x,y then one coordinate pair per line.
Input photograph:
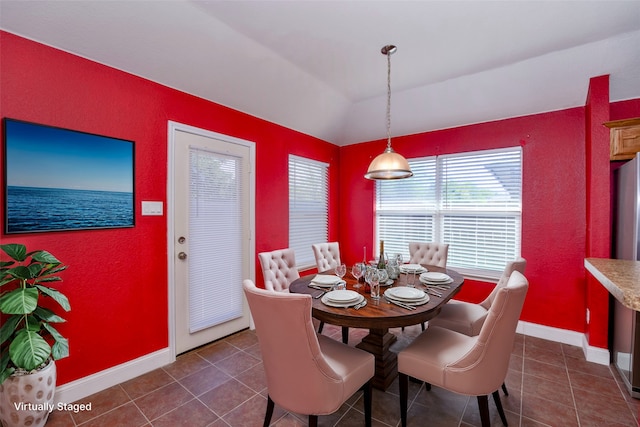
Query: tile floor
x,y
222,384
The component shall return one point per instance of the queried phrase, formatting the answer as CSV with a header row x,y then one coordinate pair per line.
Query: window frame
x,y
439,213
310,230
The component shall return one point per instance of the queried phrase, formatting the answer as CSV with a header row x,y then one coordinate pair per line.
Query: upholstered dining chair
x,y
428,253
467,318
327,255
278,269
431,253
472,366
306,373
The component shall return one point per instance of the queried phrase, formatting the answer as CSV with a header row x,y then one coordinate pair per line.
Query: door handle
x,y
182,255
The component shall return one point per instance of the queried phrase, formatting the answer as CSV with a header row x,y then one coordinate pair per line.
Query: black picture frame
x,y
58,179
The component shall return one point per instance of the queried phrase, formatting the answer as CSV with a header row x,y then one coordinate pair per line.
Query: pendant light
x,y
389,164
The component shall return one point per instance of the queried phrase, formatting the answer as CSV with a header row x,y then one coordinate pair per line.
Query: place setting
x,y
344,298
412,269
406,297
324,281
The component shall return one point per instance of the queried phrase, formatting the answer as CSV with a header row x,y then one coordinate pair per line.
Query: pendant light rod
x,y
389,164
389,50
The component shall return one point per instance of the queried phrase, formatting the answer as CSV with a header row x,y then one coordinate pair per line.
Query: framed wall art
x,y
60,179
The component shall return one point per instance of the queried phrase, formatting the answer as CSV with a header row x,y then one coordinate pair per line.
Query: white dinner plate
x,y
325,280
343,296
434,276
405,293
327,301
412,267
420,301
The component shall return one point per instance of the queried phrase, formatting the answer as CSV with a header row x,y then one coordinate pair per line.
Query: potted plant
x,y
29,343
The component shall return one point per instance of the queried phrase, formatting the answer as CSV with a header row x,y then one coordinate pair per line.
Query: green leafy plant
x,y
27,330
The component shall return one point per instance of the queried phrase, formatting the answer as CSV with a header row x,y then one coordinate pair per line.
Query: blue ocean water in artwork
x,y
42,209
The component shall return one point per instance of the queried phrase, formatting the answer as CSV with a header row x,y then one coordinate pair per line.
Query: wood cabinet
x,y
625,138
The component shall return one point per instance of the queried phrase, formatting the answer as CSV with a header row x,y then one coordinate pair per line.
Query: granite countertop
x,y
620,277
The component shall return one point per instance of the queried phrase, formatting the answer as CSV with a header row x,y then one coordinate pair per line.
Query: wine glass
x,y
357,272
383,276
374,281
399,259
341,270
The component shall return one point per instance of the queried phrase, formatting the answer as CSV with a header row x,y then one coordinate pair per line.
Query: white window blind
x,y
472,201
406,208
215,267
308,207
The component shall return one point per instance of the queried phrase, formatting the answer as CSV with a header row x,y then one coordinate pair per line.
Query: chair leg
x,y
496,398
320,327
483,405
422,326
345,335
368,391
269,413
403,381
504,389
313,421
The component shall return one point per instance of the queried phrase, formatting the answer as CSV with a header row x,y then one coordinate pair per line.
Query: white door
x,y
212,236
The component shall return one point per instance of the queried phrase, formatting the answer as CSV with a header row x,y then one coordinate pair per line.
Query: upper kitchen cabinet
x,y
625,138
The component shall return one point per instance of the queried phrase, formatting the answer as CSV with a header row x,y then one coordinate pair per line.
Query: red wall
x,y
117,279
553,223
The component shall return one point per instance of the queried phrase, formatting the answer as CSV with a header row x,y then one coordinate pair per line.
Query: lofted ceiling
x,y
316,66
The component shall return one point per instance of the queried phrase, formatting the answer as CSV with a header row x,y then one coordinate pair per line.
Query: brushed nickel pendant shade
x,y
389,164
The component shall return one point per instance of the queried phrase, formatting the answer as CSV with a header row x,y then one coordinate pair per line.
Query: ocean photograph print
x,y
60,179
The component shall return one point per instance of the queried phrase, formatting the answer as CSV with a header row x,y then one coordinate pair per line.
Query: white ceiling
x,y
316,66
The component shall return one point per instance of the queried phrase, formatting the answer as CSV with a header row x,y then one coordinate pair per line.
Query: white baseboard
x,y
597,355
91,384
87,386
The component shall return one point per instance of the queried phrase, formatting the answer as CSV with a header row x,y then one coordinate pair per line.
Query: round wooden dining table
x,y
378,316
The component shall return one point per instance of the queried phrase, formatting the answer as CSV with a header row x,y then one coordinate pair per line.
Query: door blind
x,y
215,209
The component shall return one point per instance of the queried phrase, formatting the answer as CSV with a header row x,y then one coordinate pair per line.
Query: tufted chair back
x,y
519,265
472,366
306,373
429,253
279,269
327,255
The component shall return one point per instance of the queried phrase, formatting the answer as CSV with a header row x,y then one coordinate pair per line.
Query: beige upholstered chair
x,y
306,373
428,253
278,269
472,366
327,255
467,318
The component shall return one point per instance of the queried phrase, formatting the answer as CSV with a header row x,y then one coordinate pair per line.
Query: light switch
x,y
152,208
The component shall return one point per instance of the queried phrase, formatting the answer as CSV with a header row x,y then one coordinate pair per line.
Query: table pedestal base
x,y
386,369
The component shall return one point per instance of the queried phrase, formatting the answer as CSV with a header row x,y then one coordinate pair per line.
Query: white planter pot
x,y
26,400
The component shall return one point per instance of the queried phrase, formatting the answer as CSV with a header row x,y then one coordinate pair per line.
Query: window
x,y
308,207
472,201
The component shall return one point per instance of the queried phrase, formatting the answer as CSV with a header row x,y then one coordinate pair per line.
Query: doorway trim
x,y
173,127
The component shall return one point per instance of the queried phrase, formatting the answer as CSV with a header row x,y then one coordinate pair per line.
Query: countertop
x,y
620,277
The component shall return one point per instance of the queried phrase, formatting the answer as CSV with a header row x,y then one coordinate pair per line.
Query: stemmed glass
x,y
399,259
374,281
357,272
341,270
383,276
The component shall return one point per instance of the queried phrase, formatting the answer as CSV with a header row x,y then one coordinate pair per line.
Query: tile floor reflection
x,y
223,384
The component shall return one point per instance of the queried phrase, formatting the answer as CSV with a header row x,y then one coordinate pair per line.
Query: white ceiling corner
x,y
316,66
